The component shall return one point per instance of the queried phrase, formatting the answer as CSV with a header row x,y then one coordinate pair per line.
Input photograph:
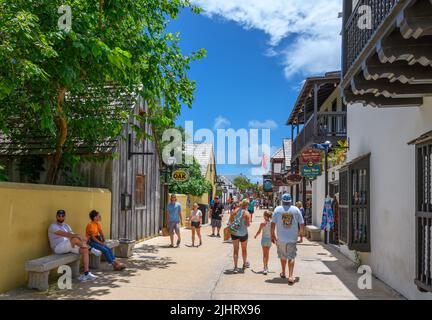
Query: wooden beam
x,y
399,71
395,47
382,87
416,21
381,102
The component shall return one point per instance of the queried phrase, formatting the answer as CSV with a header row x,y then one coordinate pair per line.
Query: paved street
x,y
159,272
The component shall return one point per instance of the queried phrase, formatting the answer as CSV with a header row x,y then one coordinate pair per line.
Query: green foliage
x,y
196,185
31,168
114,47
3,176
243,183
339,153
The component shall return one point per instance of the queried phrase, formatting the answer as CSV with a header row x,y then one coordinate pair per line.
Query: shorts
x,y
174,227
216,223
266,242
242,239
66,247
287,251
251,211
196,224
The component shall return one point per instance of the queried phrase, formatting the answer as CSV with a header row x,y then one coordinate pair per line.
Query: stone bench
x,y
95,261
313,233
39,269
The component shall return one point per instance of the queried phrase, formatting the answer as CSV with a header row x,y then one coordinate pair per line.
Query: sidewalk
x,y
158,272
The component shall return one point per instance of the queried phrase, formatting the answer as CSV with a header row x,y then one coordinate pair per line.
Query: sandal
x,y
291,280
283,276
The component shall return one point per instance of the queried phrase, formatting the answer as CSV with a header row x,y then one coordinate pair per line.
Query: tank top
x,y
242,231
267,231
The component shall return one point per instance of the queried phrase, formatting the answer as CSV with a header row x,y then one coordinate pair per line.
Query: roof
x,y
202,152
287,146
306,98
38,143
279,154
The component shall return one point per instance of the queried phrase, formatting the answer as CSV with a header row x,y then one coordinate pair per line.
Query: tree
x,y
75,88
196,185
243,183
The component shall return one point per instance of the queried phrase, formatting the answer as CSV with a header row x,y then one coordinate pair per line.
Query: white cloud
x,y
268,124
312,26
221,123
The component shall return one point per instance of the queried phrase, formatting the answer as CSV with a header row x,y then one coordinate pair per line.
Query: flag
x,y
264,162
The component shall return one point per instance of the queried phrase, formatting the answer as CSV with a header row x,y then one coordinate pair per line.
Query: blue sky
x,y
249,78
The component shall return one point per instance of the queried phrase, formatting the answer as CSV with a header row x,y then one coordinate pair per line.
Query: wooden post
x,y
316,89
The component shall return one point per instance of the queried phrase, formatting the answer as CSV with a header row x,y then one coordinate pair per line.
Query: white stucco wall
x,y
384,133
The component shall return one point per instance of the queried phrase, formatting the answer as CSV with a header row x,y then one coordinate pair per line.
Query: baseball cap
x,y
286,198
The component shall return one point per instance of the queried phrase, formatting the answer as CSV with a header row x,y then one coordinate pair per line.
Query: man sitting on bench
x,y
63,240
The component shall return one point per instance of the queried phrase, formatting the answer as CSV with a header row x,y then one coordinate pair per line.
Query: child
x,y
266,241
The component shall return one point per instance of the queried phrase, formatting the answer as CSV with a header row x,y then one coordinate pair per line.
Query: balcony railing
x,y
356,36
328,126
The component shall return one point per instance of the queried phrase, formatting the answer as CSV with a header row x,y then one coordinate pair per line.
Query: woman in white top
x,y
196,222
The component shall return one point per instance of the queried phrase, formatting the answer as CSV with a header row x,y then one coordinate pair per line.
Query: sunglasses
x,y
61,214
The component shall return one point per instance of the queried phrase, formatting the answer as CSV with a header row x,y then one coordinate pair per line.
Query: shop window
x,y
140,190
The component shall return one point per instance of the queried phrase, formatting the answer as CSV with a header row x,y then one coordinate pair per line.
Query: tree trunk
x,y
62,127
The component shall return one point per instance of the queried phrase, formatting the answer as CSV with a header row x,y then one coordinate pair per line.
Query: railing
x,y
327,126
356,35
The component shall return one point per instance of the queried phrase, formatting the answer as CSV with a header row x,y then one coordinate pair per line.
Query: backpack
x,y
236,224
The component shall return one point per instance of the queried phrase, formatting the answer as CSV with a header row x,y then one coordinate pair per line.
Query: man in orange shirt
x,y
96,240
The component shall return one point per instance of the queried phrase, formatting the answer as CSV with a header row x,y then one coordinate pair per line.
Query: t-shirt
x,y
287,220
55,239
217,211
251,206
174,212
195,216
93,229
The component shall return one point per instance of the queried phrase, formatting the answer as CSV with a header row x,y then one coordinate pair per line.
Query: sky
x,y
258,55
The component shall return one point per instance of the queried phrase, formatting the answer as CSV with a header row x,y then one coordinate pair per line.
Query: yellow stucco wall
x,y
26,211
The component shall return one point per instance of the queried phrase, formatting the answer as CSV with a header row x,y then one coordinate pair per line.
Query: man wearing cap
x,y
216,213
174,219
63,240
287,219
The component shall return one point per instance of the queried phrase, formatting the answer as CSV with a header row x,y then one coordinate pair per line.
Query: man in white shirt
x,y
63,240
288,222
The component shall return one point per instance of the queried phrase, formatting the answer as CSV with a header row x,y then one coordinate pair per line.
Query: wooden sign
x,y
311,155
294,179
180,175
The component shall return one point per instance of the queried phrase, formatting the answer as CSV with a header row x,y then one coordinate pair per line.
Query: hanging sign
x,y
311,171
180,175
294,179
268,186
311,155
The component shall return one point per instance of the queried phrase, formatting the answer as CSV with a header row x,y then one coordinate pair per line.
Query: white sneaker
x,y
265,272
89,277
96,252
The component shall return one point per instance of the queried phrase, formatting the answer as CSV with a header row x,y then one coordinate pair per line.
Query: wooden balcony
x,y
387,60
326,126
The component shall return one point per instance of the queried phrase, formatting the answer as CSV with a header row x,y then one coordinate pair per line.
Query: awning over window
x,y
423,138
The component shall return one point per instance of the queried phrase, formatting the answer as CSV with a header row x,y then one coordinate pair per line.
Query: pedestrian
x,y
63,240
251,207
285,222
266,240
96,240
299,205
239,223
196,222
216,213
174,219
